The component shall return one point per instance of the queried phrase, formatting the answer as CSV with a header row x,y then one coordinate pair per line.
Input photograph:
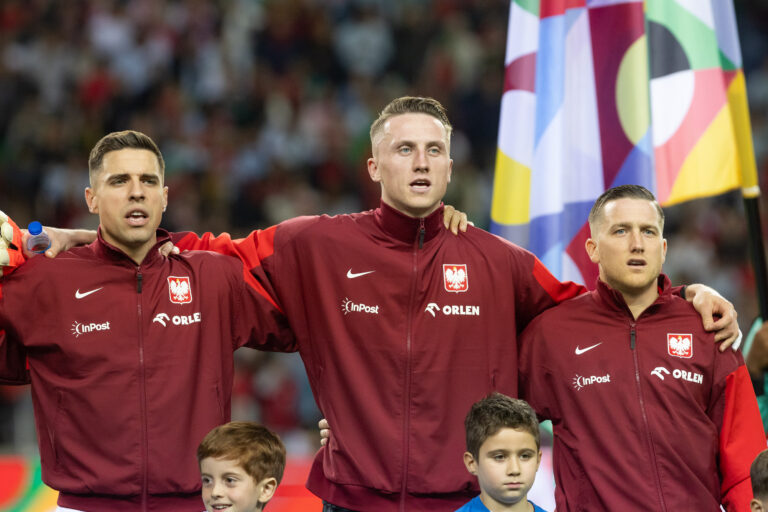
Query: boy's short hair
x,y
258,450
758,472
497,411
411,105
115,141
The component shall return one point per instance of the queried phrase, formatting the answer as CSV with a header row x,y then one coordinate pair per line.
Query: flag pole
x,y
756,247
750,187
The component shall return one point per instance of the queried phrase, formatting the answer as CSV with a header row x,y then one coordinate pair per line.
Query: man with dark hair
x,y
130,353
647,414
401,326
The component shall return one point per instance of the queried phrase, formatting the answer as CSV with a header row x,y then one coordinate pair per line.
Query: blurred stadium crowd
x,y
262,110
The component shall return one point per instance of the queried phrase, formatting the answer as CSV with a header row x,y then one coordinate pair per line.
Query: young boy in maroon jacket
x,y
647,414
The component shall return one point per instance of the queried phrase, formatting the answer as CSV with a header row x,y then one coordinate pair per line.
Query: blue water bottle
x,y
38,240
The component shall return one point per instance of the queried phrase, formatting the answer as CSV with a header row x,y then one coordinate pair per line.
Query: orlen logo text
x,y
679,374
347,306
79,329
582,382
432,308
163,319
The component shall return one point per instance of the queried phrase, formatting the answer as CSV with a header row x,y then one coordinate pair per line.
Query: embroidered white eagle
x,y
179,289
455,278
680,345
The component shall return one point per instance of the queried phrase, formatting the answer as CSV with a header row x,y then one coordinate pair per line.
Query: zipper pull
x,y
422,232
632,337
138,281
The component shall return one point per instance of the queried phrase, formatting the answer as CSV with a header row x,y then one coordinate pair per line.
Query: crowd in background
x,y
262,110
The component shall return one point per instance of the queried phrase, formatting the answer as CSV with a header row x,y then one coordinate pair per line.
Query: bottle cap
x,y
35,228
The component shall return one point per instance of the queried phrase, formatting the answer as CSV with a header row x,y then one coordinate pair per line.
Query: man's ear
x,y
756,506
470,463
267,488
373,170
591,247
91,200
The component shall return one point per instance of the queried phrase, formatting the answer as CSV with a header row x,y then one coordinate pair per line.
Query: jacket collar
x,y
109,252
615,300
405,228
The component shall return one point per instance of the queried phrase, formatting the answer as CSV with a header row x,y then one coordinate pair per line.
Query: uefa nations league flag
x,y
600,93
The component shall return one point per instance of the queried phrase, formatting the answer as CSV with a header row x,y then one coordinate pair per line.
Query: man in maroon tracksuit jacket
x,y
647,414
130,353
400,325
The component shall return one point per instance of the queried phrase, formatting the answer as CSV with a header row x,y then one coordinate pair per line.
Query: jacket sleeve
x,y
259,320
741,435
13,359
534,375
537,290
251,250
13,362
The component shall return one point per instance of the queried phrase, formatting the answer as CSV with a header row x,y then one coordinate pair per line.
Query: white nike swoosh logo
x,y
352,275
580,351
79,295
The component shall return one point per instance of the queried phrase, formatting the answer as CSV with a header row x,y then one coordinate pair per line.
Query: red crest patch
x,y
455,278
179,290
680,345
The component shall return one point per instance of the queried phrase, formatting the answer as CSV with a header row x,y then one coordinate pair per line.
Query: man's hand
x,y
717,314
325,431
455,220
61,240
167,249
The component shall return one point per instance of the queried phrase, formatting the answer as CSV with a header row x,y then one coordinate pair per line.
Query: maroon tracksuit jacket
x,y
131,365
401,326
647,413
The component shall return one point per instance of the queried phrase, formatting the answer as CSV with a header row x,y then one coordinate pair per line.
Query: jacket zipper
x,y
142,401
407,394
652,452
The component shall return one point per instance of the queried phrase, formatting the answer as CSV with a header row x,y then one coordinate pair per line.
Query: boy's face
x,y
506,467
226,486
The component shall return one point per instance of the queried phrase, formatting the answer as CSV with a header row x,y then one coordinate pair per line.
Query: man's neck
x,y
639,302
137,253
415,213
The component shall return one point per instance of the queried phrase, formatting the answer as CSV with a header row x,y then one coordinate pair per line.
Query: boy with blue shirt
x,y
504,452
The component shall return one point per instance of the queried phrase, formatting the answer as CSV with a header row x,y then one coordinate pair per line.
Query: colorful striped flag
x,y
600,93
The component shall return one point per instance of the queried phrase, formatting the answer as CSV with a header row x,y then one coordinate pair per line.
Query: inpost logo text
x,y
78,329
580,382
348,306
